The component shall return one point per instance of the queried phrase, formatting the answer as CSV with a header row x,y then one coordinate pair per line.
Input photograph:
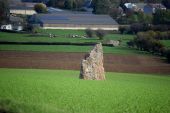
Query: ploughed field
x,y
71,61
58,91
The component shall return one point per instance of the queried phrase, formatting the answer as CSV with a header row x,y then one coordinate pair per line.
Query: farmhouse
x,y
146,8
75,21
135,6
22,8
151,8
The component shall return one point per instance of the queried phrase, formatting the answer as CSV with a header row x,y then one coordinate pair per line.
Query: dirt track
x,y
71,61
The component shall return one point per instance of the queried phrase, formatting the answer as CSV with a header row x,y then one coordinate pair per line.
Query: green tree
x,y
66,4
140,17
69,4
100,33
166,3
101,6
167,54
154,1
104,6
161,17
4,11
52,3
89,33
40,8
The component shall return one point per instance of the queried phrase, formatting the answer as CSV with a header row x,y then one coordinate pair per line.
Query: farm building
x,y
151,8
75,21
22,8
134,6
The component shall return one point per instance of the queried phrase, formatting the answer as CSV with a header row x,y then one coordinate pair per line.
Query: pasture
x,y
70,48
166,43
58,91
63,37
38,89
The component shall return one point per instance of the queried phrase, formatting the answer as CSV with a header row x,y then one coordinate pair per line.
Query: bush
x,y
36,30
100,33
167,53
136,27
33,28
89,33
131,43
124,29
40,8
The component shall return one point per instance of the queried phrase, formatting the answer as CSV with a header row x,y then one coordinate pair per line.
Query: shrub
x,y
89,33
131,43
136,27
35,29
40,8
167,53
100,33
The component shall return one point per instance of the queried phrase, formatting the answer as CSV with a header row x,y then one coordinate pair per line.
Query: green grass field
x,y
15,37
58,91
63,37
70,48
166,43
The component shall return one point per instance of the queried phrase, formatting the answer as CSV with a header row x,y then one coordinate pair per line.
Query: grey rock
x,y
92,65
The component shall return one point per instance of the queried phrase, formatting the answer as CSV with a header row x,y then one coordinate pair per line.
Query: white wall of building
x,y
23,12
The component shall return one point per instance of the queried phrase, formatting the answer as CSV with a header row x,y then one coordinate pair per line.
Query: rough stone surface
x,y
92,65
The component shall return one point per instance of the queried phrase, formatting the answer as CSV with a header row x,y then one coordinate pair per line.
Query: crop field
x,y
71,61
54,91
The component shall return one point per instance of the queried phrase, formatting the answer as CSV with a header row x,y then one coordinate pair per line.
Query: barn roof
x,y
80,19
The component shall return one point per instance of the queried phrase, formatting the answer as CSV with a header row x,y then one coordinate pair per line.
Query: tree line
x,y
66,4
4,11
149,41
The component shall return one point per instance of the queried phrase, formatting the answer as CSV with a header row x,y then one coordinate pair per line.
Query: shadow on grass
x,y
7,106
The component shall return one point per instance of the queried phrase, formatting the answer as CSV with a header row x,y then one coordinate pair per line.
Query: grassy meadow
x,y
16,37
166,43
61,91
62,36
58,91
71,48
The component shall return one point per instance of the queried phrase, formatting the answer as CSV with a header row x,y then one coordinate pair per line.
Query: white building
x,y
22,10
6,27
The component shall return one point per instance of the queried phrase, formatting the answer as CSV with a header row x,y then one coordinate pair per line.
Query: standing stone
x,y
92,65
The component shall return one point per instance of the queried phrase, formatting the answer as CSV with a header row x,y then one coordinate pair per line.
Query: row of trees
x,y
145,41
135,17
66,4
106,6
99,33
158,35
159,17
138,27
4,11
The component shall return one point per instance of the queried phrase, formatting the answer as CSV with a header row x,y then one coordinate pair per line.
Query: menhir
x,y
92,65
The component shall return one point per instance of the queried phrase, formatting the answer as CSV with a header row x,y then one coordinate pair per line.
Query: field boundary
x,y
52,43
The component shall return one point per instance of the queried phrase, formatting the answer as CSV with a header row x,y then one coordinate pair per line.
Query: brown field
x,y
71,61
